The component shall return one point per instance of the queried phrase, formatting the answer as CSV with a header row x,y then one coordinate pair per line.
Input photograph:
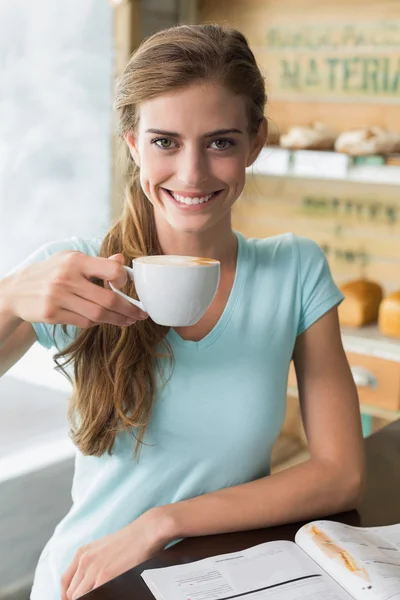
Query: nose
x,y
192,167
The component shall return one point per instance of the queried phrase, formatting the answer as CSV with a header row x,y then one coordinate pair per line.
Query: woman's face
x,y
192,147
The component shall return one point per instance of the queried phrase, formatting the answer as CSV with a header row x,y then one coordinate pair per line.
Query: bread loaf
x,y
361,303
389,315
314,137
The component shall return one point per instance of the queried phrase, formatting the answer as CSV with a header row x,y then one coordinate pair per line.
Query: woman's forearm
x,y
310,490
9,322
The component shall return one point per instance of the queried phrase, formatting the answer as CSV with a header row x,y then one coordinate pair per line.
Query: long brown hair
x,y
114,367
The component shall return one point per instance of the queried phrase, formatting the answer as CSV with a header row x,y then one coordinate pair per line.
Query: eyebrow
x,y
210,134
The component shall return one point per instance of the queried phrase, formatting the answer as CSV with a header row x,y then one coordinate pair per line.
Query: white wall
x,y
56,61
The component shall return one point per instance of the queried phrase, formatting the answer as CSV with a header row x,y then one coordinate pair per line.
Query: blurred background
x,y
330,171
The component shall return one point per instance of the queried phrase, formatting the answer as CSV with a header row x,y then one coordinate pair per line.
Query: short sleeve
x,y
318,291
49,335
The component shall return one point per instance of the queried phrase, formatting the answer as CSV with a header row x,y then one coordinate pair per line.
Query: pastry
x,y
370,140
315,137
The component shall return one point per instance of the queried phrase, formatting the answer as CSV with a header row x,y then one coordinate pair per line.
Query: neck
x,y
217,242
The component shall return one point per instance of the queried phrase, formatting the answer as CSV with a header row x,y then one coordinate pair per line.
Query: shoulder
x,y
286,249
90,247
87,246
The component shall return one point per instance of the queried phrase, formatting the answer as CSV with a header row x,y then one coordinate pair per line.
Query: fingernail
x,y
143,316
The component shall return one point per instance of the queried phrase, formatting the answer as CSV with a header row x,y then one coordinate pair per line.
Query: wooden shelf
x,y
369,341
315,164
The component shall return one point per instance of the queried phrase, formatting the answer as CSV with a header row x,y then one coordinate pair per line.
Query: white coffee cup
x,y
174,290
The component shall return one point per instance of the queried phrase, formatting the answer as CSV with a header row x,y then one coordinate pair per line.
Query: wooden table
x,y
381,506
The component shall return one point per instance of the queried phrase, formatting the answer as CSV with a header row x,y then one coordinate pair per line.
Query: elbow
x,y
355,496
345,485
352,486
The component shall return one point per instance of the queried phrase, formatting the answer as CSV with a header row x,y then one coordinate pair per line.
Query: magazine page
x,y
390,533
271,571
365,561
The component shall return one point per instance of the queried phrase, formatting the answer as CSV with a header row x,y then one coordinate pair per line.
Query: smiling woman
x,y
196,171
175,427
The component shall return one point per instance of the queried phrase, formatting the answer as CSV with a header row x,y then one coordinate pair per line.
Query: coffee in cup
x,y
174,290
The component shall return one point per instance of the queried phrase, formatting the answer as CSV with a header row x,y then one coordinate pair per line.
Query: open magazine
x,y
328,561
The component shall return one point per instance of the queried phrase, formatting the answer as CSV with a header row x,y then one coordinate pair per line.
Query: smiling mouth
x,y
192,201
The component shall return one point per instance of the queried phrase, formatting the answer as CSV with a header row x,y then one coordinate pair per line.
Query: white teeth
x,y
186,200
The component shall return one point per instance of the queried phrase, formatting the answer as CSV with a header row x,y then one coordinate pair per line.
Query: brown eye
x,y
222,144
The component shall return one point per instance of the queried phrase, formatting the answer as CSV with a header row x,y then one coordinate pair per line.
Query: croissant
x,y
370,140
314,137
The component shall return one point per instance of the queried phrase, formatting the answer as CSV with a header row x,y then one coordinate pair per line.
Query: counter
x,y
369,341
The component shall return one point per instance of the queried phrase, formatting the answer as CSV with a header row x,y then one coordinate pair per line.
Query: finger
x,y
87,585
68,577
75,584
121,280
67,317
102,268
118,257
83,287
104,298
97,313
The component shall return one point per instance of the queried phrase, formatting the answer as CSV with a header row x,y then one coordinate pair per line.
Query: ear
x,y
130,139
258,142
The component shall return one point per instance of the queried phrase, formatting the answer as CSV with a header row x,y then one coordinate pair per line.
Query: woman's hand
x,y
58,290
102,560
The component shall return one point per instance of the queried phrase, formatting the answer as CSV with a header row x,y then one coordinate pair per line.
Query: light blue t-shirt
x,y
215,422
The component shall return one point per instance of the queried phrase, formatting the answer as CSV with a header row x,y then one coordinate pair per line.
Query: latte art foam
x,y
177,261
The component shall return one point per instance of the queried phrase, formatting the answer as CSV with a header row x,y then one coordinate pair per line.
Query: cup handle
x,y
117,291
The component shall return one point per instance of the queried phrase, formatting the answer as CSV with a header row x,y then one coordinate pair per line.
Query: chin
x,y
190,226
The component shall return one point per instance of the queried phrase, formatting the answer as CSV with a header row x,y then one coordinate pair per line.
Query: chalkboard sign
x,y
335,61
